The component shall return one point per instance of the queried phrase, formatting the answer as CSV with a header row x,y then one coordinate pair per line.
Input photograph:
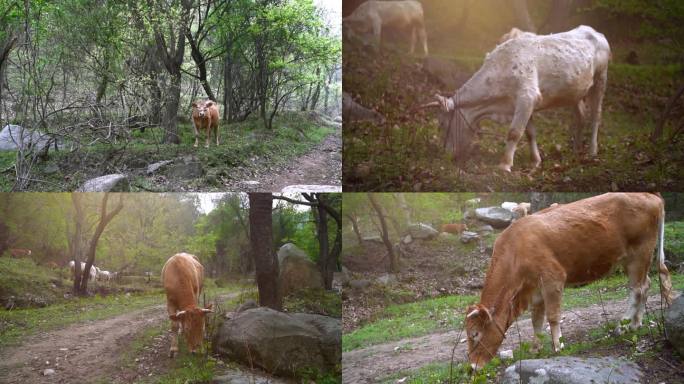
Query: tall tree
x,y
265,260
380,212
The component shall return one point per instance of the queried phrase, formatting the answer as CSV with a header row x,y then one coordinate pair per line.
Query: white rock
x,y
48,372
506,354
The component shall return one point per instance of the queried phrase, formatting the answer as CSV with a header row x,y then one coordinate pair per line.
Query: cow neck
x,y
499,296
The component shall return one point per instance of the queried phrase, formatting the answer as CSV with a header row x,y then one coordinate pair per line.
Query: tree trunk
x,y
660,126
522,15
355,226
261,239
323,254
5,49
385,234
201,63
227,85
317,92
170,118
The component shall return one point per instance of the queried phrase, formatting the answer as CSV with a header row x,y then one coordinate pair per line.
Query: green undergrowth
x,y
317,301
602,337
23,278
188,368
445,313
243,144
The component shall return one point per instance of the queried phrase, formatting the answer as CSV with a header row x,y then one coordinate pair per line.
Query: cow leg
x,y
377,30
523,112
538,309
639,283
552,282
595,98
531,134
175,327
422,37
579,127
414,32
194,127
216,127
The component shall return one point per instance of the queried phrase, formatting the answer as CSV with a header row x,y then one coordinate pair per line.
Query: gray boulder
x,y
496,216
573,370
249,304
152,168
359,284
467,237
186,169
13,137
297,271
352,111
285,344
407,239
387,279
674,324
485,229
237,376
422,231
109,183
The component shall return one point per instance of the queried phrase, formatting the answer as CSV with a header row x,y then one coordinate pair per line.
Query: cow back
x,y
182,278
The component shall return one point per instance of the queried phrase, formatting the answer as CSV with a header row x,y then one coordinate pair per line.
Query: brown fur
x,y
205,117
571,243
182,277
19,252
455,229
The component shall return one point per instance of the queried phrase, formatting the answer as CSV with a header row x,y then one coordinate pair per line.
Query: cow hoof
x,y
505,167
195,145
171,354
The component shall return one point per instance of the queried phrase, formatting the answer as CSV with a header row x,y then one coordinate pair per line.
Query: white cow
x,y
104,275
372,16
525,74
93,270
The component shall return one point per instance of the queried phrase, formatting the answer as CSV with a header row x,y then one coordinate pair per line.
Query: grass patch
x,y
317,301
674,240
402,321
243,144
188,368
7,159
28,282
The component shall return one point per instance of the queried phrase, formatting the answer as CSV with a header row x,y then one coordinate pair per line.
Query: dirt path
x,y
321,166
368,365
81,353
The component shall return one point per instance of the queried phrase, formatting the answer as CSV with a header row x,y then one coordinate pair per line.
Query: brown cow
x,y
182,278
19,252
205,117
570,244
456,229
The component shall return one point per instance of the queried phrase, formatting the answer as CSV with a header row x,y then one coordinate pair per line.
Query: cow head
x,y
200,108
458,132
483,335
357,29
192,325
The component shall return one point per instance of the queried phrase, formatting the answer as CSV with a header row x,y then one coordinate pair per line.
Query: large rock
x,y
297,271
186,169
13,137
573,370
496,216
422,231
109,183
674,324
285,344
467,237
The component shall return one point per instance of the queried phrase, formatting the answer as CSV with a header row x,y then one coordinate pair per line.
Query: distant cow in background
x,y
205,117
19,252
372,16
93,270
455,229
182,277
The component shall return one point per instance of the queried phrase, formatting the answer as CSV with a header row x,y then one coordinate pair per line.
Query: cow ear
x,y
178,316
194,104
479,311
210,103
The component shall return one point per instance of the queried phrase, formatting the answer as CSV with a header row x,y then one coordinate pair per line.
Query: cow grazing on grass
x,y
570,244
205,117
455,229
182,277
104,275
525,74
372,16
19,253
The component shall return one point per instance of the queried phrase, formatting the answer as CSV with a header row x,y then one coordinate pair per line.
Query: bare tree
x,y
80,246
394,267
265,260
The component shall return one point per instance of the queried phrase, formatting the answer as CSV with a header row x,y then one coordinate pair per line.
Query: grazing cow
x,y
372,16
520,209
104,275
455,229
182,278
19,252
205,117
93,270
52,265
569,244
524,75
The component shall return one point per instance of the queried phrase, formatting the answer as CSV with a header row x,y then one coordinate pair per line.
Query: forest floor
x,y
105,350
321,166
405,331
406,152
302,148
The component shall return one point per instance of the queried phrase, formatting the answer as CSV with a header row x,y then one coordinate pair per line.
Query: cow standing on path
x,y
182,277
205,117
576,243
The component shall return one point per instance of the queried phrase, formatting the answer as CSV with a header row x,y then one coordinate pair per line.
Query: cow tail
x,y
663,273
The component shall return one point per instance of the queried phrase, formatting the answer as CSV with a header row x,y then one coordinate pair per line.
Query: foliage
x,y
674,240
317,301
